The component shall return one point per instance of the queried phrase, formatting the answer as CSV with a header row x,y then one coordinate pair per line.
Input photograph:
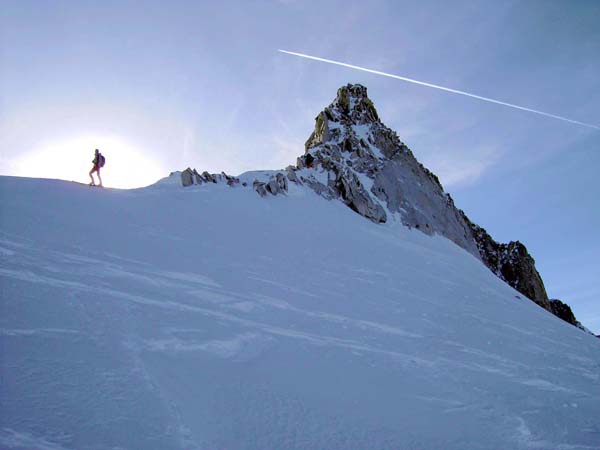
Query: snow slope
x,y
210,318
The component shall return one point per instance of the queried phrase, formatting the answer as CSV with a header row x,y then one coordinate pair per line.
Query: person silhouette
x,y
98,162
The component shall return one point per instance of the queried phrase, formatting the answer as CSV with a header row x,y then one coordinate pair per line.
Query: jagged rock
x,y
563,311
208,177
291,174
198,177
356,197
355,105
190,177
187,177
517,268
325,190
260,188
513,263
276,185
388,142
321,133
230,180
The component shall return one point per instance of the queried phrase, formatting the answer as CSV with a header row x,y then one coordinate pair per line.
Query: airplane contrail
x,y
435,86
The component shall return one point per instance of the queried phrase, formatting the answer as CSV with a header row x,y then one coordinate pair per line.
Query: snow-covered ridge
x,y
211,318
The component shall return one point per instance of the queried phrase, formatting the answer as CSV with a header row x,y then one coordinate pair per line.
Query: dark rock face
x,y
562,310
512,263
352,156
517,268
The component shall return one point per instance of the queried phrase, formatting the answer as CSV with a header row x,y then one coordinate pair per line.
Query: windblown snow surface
x,y
210,318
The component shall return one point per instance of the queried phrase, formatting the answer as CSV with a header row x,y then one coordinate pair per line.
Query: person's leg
x,y
99,178
92,178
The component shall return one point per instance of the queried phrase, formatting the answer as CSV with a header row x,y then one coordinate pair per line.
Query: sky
x,y
159,86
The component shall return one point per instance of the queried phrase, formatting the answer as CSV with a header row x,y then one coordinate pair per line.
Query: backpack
x,y
101,160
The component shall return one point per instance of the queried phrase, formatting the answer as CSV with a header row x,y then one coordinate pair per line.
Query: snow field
x,y
211,318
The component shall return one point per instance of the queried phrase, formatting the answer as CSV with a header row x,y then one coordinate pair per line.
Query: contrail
x,y
435,86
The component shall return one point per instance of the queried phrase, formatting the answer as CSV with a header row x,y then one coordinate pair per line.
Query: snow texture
x,y
211,318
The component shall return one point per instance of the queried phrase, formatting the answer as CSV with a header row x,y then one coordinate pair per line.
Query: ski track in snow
x,y
235,334
18,440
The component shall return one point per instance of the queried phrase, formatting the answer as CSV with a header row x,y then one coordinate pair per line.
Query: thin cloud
x,y
456,171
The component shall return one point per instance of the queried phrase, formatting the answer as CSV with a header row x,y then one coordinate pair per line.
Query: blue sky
x,y
201,84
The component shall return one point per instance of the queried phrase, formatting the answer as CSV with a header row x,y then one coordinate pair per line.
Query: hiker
x,y
98,162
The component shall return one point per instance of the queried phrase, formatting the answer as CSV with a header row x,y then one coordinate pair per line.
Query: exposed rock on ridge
x,y
275,185
190,177
562,310
512,263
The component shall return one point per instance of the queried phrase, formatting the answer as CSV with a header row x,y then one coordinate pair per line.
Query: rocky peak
x,y
353,105
353,156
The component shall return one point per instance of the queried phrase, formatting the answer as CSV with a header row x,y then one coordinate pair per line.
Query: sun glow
x,y
126,166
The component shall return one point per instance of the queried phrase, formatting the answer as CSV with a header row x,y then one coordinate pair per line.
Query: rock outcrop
x,y
190,177
562,310
276,185
512,263
517,267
